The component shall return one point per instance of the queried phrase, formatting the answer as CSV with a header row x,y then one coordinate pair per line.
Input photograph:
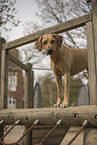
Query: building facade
x,y
15,83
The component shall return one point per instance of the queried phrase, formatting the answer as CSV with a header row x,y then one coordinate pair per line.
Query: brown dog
x,y
65,61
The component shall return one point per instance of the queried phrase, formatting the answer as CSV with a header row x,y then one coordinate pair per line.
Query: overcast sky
x,y
26,10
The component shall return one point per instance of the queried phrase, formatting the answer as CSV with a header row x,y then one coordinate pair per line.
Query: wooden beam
x,y
28,87
94,21
91,63
2,40
28,98
59,28
17,62
90,136
4,78
90,133
71,116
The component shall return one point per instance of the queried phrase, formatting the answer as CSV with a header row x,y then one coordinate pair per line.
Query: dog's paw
x,y
63,105
56,105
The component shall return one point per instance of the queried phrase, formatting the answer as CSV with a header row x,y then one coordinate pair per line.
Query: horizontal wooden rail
x,y
48,69
71,116
59,28
17,62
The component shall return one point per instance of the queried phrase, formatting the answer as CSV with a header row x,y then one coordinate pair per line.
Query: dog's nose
x,y
49,51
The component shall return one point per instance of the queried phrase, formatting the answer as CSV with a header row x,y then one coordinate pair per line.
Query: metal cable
x,y
28,130
18,142
83,125
10,129
57,124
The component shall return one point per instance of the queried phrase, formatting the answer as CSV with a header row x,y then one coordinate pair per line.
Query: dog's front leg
x,y
59,89
66,90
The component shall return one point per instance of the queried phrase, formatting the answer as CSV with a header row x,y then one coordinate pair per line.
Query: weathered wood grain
x,y
90,136
59,28
91,63
2,40
90,133
17,62
49,116
28,98
94,21
4,78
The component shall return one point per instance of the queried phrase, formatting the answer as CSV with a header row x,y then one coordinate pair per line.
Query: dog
x,y
65,61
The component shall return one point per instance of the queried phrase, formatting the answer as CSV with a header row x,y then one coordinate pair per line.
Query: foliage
x,y
8,14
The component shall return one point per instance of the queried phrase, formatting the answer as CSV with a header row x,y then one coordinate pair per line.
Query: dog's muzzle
x,y
49,51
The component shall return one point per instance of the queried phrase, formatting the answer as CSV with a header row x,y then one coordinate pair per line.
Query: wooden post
x,y
4,78
94,17
28,98
91,63
28,87
90,134
2,41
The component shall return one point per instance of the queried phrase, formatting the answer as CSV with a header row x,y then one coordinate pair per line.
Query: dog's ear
x,y
59,39
39,44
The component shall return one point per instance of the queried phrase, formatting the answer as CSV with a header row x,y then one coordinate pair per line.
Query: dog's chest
x,y
60,64
57,68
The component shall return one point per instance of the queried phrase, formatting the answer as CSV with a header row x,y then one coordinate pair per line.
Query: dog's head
x,y
49,43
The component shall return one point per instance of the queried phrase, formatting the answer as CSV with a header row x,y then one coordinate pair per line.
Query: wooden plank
x,y
90,136
90,133
94,17
91,63
49,116
2,40
28,99
4,78
59,28
54,138
17,62
1,132
28,88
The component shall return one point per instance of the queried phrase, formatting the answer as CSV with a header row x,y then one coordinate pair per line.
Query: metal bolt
x,y
59,121
96,116
36,121
76,116
17,121
85,122
1,121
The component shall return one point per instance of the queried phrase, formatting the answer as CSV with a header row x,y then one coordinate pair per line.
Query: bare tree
x,y
53,12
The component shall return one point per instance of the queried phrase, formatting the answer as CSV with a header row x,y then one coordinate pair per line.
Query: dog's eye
x,y
52,41
45,42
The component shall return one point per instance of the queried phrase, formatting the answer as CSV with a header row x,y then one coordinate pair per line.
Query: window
x,y
11,102
12,81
